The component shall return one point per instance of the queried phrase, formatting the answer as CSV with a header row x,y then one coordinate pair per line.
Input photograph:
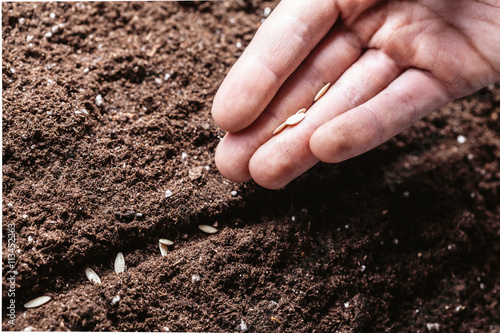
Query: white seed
x,y
207,228
322,92
34,303
295,119
92,276
119,263
163,249
165,241
280,128
302,111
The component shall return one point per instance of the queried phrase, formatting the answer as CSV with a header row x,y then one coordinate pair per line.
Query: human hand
x,y
390,63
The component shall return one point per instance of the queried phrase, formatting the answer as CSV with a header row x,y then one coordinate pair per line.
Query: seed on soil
x,y
280,128
119,263
295,119
92,276
322,92
207,228
302,111
163,248
165,241
39,301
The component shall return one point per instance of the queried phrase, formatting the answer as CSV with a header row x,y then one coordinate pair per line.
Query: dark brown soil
x,y
403,238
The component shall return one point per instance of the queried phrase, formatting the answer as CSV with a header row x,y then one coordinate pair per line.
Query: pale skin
x,y
390,63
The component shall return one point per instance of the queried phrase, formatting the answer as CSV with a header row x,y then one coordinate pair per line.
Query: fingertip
x,y
326,147
228,163
262,173
220,114
243,95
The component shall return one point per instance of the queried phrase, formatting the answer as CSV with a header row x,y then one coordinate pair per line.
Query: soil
x,y
108,145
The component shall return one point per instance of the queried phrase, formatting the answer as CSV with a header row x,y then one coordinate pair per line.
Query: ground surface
x,y
404,238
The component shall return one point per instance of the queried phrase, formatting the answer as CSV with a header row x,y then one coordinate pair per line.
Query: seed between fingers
x,y
295,119
300,115
280,128
322,92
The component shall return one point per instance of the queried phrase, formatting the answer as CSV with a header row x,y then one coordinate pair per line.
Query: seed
x,y
322,92
207,228
165,241
295,119
302,111
119,263
280,128
34,303
92,276
163,249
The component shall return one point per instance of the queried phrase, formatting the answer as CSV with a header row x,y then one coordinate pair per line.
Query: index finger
x,y
279,46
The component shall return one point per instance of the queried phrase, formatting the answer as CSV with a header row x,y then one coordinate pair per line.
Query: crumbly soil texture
x,y
108,145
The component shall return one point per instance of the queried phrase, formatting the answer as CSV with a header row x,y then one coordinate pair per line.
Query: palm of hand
x,y
390,63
